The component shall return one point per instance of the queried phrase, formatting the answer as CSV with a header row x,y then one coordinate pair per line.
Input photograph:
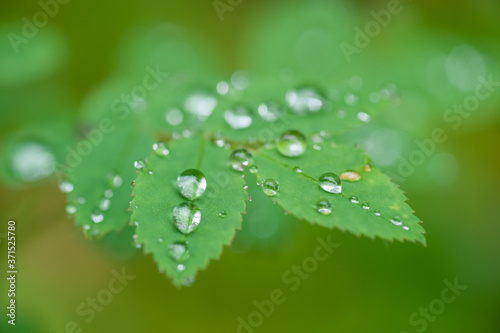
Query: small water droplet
x,y
367,168
306,99
135,241
238,117
240,159
297,170
405,227
245,187
181,267
324,207
253,169
376,212
350,176
222,213
317,147
330,182
174,117
65,186
270,111
70,209
218,140
396,220
97,216
351,99
186,217
240,80
179,251
136,223
222,88
108,193
139,164
364,117
291,144
200,104
354,199
191,184
270,187
104,204
365,205
81,200
114,180
160,149
86,227
160,239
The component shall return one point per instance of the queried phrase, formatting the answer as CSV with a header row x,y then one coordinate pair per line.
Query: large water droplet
x,y
270,111
324,207
191,184
200,104
271,187
97,216
304,100
186,217
240,159
174,117
396,220
160,149
330,182
32,162
291,144
350,176
238,117
354,199
65,186
179,251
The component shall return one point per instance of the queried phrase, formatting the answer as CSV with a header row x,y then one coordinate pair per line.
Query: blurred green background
x,y
432,51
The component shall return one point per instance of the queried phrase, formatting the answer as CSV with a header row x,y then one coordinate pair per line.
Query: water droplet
x,y
304,100
160,239
136,223
350,176
65,186
104,204
351,99
114,180
376,212
70,209
365,205
181,267
32,162
240,80
364,117
86,227
238,117
297,170
179,251
108,193
81,200
317,147
135,241
245,187
200,104
97,216
174,117
139,164
367,168
191,184
291,144
270,187
218,140
396,220
354,199
240,159
270,111
405,227
186,217
160,149
324,207
222,88
317,138
253,169
222,213
330,182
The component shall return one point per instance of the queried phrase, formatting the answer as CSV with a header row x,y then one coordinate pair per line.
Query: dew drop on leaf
x,y
160,149
350,176
245,187
174,117
139,164
65,186
179,251
191,184
270,187
219,141
354,199
270,111
186,217
297,170
104,204
108,193
365,205
238,117
32,162
351,99
364,117
324,207
291,144
396,220
330,182
222,213
135,242
70,209
367,168
405,227
114,180
376,212
306,99
253,169
200,104
240,159
97,216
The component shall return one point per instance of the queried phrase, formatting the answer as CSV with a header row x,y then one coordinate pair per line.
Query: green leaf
x,y
156,195
300,192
